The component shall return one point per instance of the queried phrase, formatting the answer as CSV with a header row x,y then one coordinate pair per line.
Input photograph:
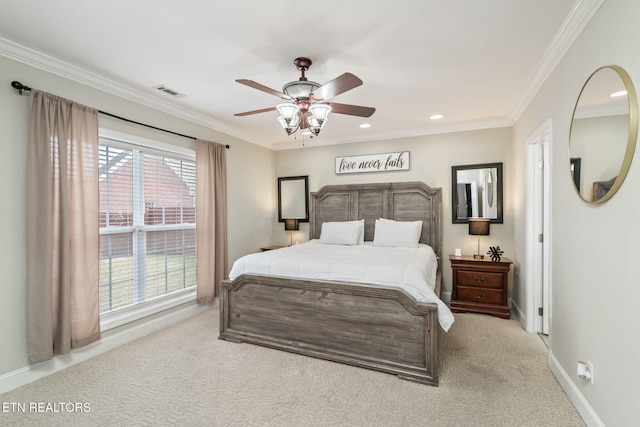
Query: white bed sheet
x,y
412,269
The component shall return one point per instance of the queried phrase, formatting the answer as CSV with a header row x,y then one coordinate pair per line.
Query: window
x,y
147,225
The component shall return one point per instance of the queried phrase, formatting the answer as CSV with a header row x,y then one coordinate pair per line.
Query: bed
x,y
367,324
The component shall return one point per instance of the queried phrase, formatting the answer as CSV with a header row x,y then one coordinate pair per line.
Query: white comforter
x,y
412,269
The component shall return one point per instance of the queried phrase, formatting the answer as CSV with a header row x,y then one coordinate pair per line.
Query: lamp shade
x,y
291,126
291,224
288,111
320,112
479,226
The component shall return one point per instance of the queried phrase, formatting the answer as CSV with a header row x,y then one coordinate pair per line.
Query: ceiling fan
x,y
307,107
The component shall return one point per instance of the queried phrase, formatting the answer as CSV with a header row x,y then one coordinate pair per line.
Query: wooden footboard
x,y
368,326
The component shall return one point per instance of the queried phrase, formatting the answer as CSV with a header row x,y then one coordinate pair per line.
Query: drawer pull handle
x,y
480,280
475,294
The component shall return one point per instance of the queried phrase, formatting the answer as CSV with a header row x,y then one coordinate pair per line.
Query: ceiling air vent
x,y
169,91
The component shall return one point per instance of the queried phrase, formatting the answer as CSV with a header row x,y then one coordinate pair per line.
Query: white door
x,y
540,264
538,230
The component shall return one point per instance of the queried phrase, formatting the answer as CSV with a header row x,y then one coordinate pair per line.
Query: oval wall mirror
x,y
602,138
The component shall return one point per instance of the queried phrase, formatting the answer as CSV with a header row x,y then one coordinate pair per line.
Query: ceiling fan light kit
x,y
307,108
289,117
320,112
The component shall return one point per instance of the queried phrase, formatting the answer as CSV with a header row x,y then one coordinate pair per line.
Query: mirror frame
x,y
304,178
574,168
454,191
612,187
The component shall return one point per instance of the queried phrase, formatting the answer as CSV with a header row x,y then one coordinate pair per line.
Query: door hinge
x,y
540,311
540,237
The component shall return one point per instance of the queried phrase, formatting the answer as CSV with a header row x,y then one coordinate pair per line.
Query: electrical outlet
x,y
585,371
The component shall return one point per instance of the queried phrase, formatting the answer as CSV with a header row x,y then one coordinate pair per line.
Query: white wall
x,y
595,285
250,187
430,162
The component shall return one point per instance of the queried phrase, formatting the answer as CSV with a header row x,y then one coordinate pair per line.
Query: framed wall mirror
x,y
603,134
476,191
293,198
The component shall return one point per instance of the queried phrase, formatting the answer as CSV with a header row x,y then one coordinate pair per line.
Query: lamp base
x,y
478,256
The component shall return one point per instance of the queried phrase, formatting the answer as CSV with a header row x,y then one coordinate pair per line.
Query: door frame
x,y
538,221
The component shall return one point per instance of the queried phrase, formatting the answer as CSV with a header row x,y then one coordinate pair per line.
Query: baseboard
x,y
589,416
28,374
518,313
445,296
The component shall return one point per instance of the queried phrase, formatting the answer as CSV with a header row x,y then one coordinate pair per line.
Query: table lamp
x,y
291,224
478,227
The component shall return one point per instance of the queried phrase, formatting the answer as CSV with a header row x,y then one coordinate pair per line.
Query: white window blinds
x,y
147,225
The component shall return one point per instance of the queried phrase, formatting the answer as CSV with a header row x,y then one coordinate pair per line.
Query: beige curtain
x,y
211,218
62,227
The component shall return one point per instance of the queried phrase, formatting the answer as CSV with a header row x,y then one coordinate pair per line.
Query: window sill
x,y
131,314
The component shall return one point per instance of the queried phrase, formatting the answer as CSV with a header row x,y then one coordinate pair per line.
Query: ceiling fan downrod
x,y
302,64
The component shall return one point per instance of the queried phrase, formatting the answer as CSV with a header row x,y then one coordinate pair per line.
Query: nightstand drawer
x,y
480,278
476,294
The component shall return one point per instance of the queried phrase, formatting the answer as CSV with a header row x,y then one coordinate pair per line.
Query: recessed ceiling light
x,y
618,94
436,117
365,125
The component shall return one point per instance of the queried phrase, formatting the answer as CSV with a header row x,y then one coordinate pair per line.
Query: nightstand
x,y
270,248
480,285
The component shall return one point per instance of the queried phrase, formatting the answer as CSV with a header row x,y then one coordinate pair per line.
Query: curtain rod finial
x,y
19,86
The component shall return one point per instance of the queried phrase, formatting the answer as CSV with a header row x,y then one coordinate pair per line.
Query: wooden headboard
x,y
401,201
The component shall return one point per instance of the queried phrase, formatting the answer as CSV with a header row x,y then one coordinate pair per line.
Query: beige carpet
x,y
492,373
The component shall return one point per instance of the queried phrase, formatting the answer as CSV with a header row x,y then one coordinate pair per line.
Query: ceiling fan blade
x,y
263,88
335,87
352,110
248,113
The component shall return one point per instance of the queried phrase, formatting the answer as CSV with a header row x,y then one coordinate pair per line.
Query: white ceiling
x,y
476,62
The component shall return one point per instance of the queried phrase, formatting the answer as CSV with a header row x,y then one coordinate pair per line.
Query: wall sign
x,y
373,163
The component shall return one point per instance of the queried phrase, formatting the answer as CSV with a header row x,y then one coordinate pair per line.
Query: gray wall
x,y
250,174
430,162
595,285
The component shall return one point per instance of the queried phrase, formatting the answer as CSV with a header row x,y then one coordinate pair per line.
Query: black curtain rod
x,y
21,88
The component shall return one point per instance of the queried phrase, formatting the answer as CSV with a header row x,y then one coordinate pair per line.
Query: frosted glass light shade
x,y
288,111
320,112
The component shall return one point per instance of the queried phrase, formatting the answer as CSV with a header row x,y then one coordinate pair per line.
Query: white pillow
x,y
404,234
342,233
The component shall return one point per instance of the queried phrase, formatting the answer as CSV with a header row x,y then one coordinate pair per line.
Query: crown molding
x,y
72,72
571,28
